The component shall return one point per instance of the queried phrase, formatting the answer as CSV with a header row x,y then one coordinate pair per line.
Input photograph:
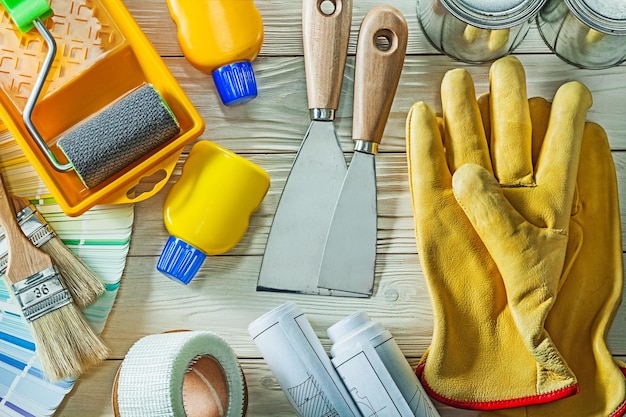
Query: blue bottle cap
x,y
235,83
179,260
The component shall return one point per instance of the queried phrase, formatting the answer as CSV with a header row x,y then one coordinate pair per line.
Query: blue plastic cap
x,y
235,83
179,260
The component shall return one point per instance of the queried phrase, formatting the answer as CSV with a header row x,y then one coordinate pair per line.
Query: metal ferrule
x,y
41,294
365,146
34,226
324,115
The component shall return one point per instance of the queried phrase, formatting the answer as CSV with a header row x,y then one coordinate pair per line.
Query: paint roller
x,y
113,138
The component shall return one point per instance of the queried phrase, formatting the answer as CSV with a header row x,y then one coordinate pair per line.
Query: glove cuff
x,y
500,404
621,411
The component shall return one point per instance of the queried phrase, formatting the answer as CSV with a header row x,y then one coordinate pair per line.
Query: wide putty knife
x,y
296,240
350,253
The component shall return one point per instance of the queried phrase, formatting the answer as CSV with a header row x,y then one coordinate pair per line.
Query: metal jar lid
x,y
606,16
493,14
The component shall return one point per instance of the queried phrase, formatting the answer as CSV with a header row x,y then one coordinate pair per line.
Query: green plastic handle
x,y
24,12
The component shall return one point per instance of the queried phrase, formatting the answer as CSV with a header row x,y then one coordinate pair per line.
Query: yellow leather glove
x,y
592,291
491,290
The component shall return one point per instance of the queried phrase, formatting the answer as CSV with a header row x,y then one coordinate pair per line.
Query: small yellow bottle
x,y
221,38
207,210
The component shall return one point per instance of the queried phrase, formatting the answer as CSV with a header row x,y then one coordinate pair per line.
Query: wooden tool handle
x,y
325,35
381,49
24,258
19,203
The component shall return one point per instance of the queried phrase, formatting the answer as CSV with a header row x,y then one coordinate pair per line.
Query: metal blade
x,y
296,240
350,255
350,252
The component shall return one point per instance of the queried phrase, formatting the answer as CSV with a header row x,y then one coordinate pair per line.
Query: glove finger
x,y
575,237
442,129
511,127
557,163
465,135
540,116
483,106
494,219
588,300
428,169
529,258
514,243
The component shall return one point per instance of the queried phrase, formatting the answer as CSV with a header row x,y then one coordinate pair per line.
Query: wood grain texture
x,y
90,393
378,69
325,38
395,217
282,21
24,259
276,121
268,131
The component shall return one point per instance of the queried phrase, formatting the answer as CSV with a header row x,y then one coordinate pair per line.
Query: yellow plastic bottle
x,y
221,38
207,210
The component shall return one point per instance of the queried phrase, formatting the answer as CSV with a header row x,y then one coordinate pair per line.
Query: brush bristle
x,y
66,345
84,286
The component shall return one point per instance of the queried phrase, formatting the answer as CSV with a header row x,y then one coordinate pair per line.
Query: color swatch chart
x,y
101,239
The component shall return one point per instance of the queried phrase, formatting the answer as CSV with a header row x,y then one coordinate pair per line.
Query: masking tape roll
x,y
186,374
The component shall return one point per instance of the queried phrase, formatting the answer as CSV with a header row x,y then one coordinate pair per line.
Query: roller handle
x,y
381,49
325,37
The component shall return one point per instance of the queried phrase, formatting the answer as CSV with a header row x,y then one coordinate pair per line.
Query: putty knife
x,y
296,240
350,253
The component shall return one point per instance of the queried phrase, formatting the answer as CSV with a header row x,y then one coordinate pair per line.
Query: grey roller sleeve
x,y
119,135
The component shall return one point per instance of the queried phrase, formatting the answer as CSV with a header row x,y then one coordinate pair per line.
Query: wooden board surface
x,y
268,131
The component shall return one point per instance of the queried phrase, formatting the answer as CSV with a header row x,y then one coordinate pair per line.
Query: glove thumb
x,y
530,260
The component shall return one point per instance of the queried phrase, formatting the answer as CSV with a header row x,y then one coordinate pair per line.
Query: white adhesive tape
x,y
186,374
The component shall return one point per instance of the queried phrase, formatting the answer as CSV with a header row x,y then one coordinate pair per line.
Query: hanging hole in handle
x,y
328,7
146,184
385,40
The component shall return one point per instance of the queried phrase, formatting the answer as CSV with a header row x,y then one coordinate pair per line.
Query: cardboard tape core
x,y
186,374
205,389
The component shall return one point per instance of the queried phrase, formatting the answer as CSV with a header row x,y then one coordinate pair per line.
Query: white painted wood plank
x,y
269,131
283,28
90,393
278,118
150,303
395,216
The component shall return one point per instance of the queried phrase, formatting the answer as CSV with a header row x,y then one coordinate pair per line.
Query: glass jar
x,y
476,30
585,33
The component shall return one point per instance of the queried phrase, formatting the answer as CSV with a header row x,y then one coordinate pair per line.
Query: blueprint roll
x,y
300,364
375,371
180,374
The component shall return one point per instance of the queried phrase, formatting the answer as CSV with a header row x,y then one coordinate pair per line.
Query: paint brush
x,y
65,343
82,283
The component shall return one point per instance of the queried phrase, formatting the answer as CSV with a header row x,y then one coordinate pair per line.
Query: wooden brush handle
x,y
325,39
24,258
377,70
19,203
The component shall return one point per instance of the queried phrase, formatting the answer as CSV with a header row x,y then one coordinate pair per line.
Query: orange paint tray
x,y
102,55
